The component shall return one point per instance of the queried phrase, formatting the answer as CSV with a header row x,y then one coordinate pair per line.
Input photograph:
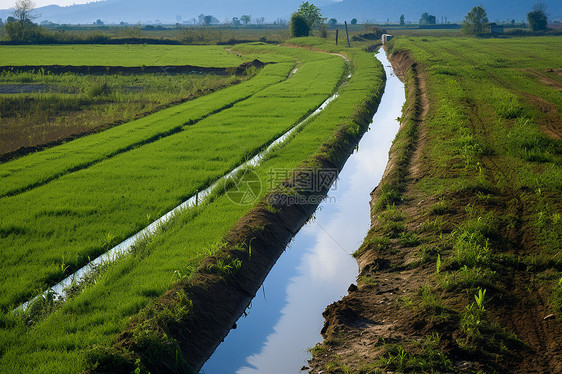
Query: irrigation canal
x,y
125,246
285,318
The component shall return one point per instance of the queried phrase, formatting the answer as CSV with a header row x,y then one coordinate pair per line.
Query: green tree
x,y
537,18
476,21
427,19
23,11
402,21
208,19
332,22
246,18
236,21
299,26
311,14
20,27
354,21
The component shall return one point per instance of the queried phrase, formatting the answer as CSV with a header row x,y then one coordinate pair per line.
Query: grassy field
x,y
68,105
108,195
467,222
118,55
54,107
57,338
20,174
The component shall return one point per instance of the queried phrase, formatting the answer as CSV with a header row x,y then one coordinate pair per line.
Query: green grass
x,y
489,160
35,169
118,55
95,317
424,356
81,214
74,104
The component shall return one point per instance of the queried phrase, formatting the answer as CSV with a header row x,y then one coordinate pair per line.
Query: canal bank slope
x,y
459,280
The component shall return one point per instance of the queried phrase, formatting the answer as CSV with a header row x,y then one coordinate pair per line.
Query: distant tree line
x,y
476,21
19,27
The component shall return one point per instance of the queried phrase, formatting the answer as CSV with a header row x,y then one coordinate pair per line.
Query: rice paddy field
x,y
119,55
42,107
69,203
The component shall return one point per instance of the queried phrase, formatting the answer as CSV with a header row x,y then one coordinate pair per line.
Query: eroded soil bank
x,y
317,268
125,70
399,318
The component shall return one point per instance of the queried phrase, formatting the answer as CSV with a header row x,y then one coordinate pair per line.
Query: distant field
x,y
118,55
53,107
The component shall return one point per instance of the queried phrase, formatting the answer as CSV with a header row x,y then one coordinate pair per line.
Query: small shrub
x,y
388,197
299,26
99,89
470,251
408,239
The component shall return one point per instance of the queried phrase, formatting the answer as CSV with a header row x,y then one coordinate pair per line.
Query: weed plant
x,y
425,356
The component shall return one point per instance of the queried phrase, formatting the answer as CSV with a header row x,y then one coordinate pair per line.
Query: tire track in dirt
x,y
525,316
551,125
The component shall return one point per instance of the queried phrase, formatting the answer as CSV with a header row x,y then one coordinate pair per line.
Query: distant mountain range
x,y
379,11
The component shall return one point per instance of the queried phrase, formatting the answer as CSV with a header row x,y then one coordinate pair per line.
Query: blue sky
x,y
5,4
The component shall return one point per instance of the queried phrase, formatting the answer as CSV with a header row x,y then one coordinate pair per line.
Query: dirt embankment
x,y
127,70
398,318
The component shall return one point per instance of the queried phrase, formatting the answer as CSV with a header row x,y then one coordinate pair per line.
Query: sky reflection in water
x,y
286,315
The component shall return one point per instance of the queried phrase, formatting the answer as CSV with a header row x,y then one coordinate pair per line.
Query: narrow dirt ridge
x,y
127,70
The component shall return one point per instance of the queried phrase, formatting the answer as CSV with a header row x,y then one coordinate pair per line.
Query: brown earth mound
x,y
128,70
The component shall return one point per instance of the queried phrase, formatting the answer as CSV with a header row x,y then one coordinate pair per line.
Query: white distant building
x,y
386,38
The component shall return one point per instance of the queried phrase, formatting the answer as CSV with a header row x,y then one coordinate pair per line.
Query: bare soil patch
x,y
31,88
169,69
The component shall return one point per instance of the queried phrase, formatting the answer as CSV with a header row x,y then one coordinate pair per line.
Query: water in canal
x,y
285,317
